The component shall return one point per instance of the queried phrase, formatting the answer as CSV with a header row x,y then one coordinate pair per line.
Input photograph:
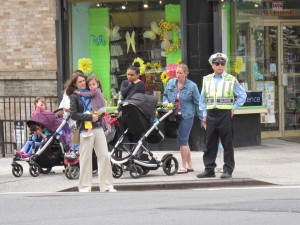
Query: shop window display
x,y
120,34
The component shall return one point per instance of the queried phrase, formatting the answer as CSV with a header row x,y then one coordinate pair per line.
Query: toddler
x,y
40,105
38,135
97,101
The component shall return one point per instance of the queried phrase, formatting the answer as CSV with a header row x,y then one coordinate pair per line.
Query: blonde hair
x,y
184,67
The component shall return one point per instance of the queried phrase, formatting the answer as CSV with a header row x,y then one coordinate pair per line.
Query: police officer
x,y
217,103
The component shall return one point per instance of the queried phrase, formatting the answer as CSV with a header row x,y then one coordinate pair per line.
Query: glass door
x,y
291,76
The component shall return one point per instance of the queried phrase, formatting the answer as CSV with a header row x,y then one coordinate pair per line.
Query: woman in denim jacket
x,y
185,94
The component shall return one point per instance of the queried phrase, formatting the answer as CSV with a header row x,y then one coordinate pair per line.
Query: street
x,y
272,205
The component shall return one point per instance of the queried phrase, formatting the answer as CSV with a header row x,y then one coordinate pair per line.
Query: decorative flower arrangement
x,y
85,65
164,78
157,67
171,70
165,29
238,65
140,63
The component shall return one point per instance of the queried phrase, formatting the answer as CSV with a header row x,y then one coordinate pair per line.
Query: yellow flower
x,y
238,65
149,65
179,61
85,65
141,66
164,78
157,67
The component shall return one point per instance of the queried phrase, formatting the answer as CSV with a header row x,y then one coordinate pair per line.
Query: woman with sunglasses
x,y
217,103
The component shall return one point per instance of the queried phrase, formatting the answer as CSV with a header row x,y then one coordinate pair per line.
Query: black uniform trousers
x,y
219,124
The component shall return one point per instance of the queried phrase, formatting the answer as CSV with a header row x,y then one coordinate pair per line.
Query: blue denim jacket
x,y
188,97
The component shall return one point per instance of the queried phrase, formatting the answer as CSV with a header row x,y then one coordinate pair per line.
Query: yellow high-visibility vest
x,y
220,97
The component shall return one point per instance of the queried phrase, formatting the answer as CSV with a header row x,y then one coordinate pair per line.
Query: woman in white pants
x,y
97,141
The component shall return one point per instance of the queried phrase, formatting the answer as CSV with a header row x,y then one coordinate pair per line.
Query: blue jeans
x,y
29,146
184,130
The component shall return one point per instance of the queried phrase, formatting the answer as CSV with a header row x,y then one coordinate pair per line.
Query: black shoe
x,y
206,174
225,175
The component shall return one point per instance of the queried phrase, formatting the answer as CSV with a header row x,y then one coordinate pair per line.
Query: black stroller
x,y
50,152
138,114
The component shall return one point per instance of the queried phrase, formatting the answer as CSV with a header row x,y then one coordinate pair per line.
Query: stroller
x,y
138,114
50,152
111,128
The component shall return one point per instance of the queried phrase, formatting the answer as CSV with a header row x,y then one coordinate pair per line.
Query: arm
x,y
89,94
125,88
165,99
240,94
76,112
196,98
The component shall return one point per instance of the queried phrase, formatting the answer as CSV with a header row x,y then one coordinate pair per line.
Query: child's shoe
x,y
19,153
26,155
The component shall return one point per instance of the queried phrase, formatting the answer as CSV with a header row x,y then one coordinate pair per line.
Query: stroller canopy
x,y
46,119
145,103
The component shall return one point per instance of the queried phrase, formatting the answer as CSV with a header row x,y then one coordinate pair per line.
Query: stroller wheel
x,y
67,172
34,169
117,171
136,171
45,170
17,170
170,165
73,172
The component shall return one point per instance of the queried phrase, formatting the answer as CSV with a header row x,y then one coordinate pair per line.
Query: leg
x,y
27,146
86,150
103,160
184,129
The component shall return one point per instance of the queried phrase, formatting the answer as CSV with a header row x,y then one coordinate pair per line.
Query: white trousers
x,y
97,142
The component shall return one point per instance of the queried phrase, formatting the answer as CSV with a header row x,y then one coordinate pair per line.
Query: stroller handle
x,y
57,110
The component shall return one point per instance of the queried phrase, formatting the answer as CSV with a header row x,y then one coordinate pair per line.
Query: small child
x,y
220,158
97,101
38,135
40,105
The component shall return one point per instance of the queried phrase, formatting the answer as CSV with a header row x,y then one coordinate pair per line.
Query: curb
x,y
184,184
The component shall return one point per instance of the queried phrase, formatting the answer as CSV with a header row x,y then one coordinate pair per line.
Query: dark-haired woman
x,y
97,141
133,84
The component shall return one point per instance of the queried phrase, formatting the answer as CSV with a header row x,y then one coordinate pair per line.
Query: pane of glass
x,y
291,56
267,78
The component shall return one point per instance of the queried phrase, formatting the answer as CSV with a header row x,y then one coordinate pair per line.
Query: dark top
x,y
128,89
76,112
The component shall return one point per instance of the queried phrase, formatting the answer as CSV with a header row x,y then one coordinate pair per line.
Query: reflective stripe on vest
x,y
220,97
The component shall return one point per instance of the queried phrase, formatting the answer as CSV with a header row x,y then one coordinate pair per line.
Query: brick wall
x,y
28,48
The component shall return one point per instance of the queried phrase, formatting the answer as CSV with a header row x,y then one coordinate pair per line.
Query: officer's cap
x,y
217,57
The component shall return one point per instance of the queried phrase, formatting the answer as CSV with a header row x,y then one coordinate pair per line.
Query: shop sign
x,y
277,6
253,99
270,12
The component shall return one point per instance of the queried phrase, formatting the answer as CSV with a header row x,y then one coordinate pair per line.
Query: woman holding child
x,y
96,141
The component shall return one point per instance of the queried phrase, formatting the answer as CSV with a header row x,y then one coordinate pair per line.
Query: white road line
x,y
247,188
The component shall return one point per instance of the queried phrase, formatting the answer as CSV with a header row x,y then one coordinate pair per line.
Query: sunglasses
x,y
219,63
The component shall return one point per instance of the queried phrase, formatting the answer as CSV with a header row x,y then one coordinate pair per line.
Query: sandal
x,y
182,171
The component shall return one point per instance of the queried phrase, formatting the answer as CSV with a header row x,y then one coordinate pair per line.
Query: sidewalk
x,y
276,161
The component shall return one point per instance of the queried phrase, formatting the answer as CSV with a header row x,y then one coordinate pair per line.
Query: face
x,y
180,74
81,83
218,67
132,75
93,85
41,103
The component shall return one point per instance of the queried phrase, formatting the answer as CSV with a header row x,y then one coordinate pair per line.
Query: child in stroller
x,y
138,121
51,150
38,134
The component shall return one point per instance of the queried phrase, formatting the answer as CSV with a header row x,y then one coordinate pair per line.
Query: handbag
x,y
76,134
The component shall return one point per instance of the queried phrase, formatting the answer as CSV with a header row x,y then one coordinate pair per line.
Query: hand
x,y
77,92
232,112
94,118
60,113
165,104
116,112
67,109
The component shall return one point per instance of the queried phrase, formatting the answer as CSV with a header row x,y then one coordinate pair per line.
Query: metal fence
x,y
14,112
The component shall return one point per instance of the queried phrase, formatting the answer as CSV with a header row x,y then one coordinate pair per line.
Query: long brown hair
x,y
71,84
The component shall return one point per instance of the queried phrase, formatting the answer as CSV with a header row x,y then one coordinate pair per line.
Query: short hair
x,y
40,98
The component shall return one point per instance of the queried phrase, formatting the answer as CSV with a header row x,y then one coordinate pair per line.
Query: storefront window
x,y
118,33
